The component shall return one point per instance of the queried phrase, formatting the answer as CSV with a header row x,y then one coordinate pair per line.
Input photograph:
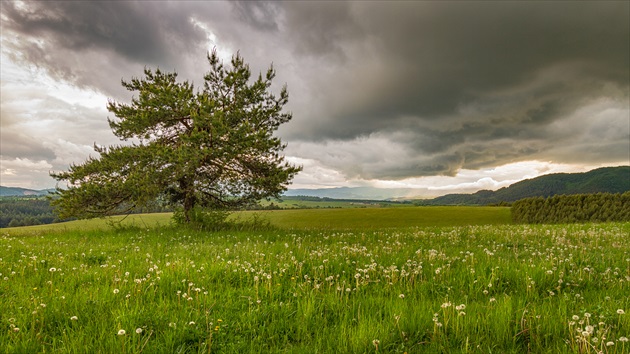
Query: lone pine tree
x,y
214,148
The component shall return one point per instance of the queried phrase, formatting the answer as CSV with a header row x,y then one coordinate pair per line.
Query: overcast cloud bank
x,y
383,93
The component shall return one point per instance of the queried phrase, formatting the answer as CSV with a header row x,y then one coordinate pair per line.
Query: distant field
x,y
306,219
305,203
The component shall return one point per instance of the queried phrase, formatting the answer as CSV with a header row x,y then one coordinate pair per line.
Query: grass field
x,y
440,280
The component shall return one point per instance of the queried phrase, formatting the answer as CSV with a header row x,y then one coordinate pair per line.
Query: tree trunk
x,y
189,199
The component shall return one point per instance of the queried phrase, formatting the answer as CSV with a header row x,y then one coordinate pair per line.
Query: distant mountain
x,y
602,180
22,192
357,193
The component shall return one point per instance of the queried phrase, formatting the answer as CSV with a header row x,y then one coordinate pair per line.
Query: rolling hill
x,y
601,180
22,192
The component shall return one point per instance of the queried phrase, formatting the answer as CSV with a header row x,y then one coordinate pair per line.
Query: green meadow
x,y
362,280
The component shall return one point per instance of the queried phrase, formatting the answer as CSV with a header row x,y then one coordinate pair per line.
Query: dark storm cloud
x,y
442,56
92,43
476,83
261,15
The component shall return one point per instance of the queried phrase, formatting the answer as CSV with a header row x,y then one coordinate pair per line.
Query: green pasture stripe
x,y
377,218
308,219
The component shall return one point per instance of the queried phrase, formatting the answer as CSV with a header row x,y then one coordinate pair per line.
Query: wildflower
x,y
122,332
460,307
610,344
17,329
402,296
621,312
623,339
171,324
446,304
138,330
461,313
116,291
74,318
493,299
589,329
191,323
52,270
587,315
575,317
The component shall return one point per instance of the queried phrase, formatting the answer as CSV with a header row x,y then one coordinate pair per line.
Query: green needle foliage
x,y
211,149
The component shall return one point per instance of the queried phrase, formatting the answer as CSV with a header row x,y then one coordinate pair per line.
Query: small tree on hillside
x,y
213,148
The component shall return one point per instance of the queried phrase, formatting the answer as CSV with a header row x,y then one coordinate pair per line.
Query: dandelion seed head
x,y
121,332
589,329
621,312
74,318
138,330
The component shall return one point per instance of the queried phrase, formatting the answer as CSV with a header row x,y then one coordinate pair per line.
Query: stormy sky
x,y
444,96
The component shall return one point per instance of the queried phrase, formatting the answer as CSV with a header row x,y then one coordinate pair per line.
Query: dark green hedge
x,y
560,209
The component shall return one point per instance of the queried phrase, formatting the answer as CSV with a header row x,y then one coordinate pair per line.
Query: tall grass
x,y
464,289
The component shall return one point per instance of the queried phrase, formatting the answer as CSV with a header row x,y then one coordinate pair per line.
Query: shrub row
x,y
600,207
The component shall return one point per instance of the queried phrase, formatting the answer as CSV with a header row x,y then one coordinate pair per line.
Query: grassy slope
x,y
353,218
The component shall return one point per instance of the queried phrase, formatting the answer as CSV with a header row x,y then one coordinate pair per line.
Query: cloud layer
x,y
379,90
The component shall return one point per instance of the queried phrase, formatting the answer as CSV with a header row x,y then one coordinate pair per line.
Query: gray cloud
x,y
378,89
96,43
475,84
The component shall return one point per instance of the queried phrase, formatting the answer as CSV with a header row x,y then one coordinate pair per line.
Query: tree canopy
x,y
214,148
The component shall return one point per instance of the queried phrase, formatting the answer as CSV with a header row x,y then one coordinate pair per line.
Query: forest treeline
x,y
36,210
25,211
562,209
